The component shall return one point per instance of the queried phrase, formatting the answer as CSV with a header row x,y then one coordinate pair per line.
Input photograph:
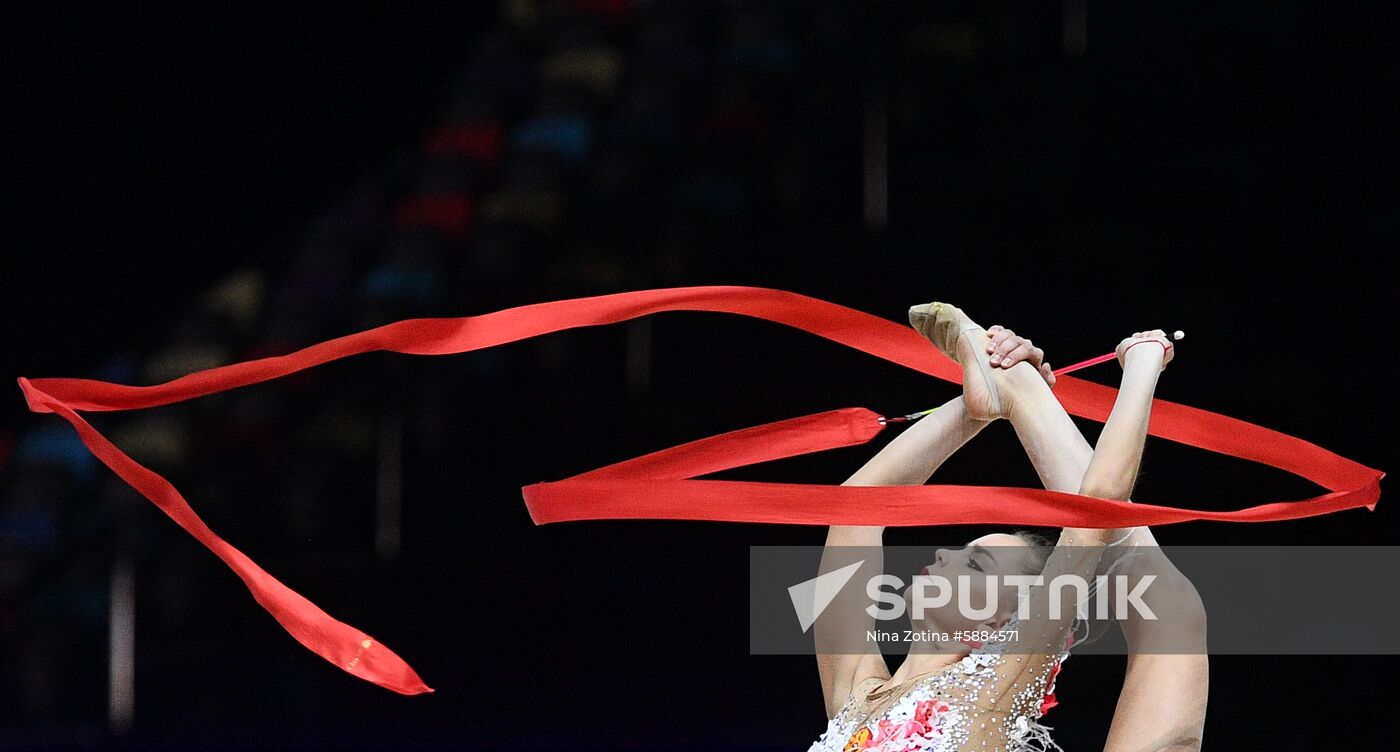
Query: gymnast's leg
x,y
909,459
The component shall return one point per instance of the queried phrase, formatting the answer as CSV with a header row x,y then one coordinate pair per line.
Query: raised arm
x,y
909,460
1113,470
1162,706
1111,473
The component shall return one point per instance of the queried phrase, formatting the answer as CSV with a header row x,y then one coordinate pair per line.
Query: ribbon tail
x,y
341,644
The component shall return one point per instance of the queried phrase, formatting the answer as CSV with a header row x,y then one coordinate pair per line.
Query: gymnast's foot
x,y
995,363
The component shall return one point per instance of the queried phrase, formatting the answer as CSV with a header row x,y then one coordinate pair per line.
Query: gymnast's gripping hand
x,y
1005,349
1144,345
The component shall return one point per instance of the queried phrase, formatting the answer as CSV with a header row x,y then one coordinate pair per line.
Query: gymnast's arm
x,y
1111,474
1162,706
844,658
1113,469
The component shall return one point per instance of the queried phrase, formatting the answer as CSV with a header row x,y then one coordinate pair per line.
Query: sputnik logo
x,y
810,598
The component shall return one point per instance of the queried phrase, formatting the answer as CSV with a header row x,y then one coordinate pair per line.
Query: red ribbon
x,y
662,485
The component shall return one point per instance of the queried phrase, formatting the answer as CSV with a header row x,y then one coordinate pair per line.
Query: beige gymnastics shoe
x,y
956,335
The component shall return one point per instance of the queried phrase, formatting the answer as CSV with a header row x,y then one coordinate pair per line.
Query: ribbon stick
x,y
1178,335
1085,364
663,485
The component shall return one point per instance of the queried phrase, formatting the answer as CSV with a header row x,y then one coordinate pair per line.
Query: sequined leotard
x,y
960,707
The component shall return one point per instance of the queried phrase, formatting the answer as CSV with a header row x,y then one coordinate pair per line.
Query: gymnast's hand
x,y
1005,349
1149,340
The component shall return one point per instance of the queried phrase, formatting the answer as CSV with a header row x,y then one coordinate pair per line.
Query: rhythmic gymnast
x,y
948,696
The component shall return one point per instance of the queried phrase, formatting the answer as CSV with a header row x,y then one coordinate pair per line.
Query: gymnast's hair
x,y
1040,548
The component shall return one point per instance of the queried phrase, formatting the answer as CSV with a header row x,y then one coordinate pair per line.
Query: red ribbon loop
x,y
662,485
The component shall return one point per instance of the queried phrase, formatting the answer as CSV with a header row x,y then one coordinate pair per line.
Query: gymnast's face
x,y
998,554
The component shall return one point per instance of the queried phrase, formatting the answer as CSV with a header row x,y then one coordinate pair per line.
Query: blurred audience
x,y
588,146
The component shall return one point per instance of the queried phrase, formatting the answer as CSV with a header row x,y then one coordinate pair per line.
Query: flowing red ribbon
x,y
662,485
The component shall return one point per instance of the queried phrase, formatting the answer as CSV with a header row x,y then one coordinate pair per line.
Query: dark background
x,y
1228,169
